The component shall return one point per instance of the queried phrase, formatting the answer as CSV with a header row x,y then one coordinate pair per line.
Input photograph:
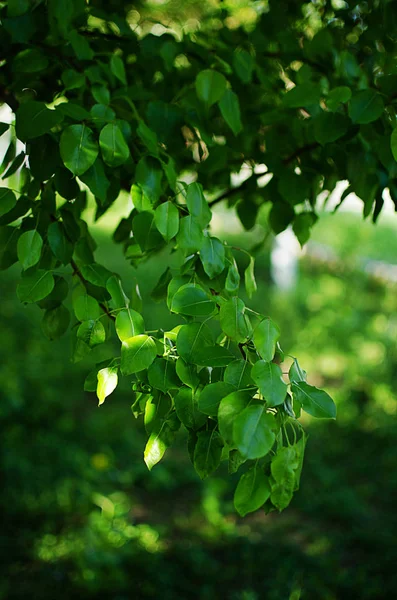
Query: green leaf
x,y
107,383
92,333
282,493
86,308
55,322
96,274
280,216
197,205
44,157
249,278
79,149
229,409
207,453
148,137
213,356
365,107
3,128
186,406
211,397
7,201
299,456
252,491
190,338
137,353
234,322
210,86
115,289
187,373
33,119
102,115
160,440
338,96
212,256
65,184
149,175
145,231
253,431
139,199
30,60
296,374
236,459
60,246
282,463
238,374
57,296
232,282
173,286
73,111
159,292
302,226
166,218
329,127
192,300
20,209
29,248
162,375
393,145
190,236
15,165
118,69
314,401
303,94
114,149
96,180
268,378
265,337
285,468
16,8
129,323
73,80
243,64
35,286
230,110
157,409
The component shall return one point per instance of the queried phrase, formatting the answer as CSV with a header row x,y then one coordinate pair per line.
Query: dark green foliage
x,y
100,103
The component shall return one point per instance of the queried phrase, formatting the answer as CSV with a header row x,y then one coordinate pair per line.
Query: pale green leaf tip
x,y
148,464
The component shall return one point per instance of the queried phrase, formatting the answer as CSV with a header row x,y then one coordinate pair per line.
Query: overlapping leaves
x,y
135,117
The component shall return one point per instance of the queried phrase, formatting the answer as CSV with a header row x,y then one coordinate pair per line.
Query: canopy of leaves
x,y
103,105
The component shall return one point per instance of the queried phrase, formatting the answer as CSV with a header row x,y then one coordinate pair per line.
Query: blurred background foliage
x,y
82,516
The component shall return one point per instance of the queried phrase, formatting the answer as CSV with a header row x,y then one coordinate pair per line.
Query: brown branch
x,y
300,151
286,161
232,191
108,37
291,58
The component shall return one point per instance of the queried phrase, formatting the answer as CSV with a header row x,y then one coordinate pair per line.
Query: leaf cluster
x,y
102,108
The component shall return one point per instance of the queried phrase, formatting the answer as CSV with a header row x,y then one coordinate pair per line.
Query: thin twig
x,y
246,182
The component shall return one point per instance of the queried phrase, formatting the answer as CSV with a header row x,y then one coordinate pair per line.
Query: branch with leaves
x,y
98,113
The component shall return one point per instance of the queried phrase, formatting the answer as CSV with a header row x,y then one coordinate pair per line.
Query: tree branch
x,y
291,58
286,161
300,151
240,187
108,37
